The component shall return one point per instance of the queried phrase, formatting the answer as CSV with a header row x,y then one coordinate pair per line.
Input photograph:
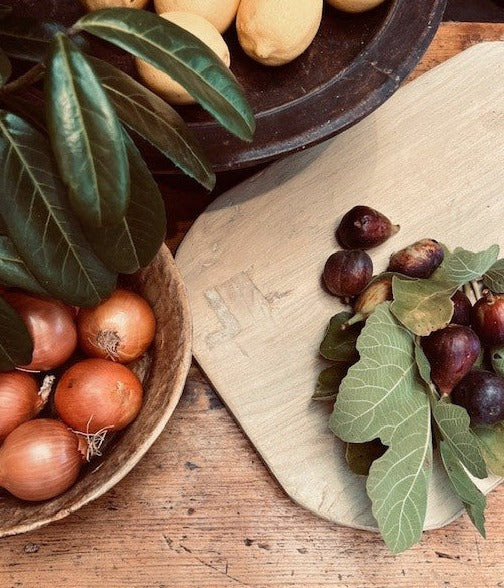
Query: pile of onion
x,y
85,352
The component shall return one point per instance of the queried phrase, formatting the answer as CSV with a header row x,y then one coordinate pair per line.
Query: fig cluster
x,y
466,357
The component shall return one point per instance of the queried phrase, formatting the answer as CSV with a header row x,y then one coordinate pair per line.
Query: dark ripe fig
x,y
451,352
377,291
347,273
363,227
418,260
462,308
481,393
488,319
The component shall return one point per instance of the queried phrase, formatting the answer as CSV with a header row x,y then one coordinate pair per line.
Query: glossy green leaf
x,y
86,136
423,305
329,381
472,498
26,38
491,439
182,56
493,278
156,121
36,212
360,456
462,266
13,271
453,422
383,397
5,68
339,344
16,345
133,243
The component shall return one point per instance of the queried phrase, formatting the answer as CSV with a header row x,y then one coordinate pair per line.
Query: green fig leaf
x,y
156,121
453,422
493,278
423,305
339,344
133,243
182,56
329,381
40,225
360,456
472,498
16,345
382,397
497,360
491,439
86,136
463,266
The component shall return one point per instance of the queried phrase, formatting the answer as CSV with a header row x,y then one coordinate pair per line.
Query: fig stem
x,y
356,318
476,289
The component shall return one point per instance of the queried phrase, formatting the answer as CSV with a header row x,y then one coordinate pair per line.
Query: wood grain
x,y
202,510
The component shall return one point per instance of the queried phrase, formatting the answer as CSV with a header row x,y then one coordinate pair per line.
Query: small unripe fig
x,y
462,308
488,319
363,227
377,291
481,393
451,352
347,273
418,260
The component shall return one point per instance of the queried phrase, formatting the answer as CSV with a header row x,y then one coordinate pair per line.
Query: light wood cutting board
x,y
432,159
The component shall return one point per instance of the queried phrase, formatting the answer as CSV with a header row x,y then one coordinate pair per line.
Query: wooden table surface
x,y
202,510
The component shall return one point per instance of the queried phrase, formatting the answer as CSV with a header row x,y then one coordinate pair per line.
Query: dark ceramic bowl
x,y
354,64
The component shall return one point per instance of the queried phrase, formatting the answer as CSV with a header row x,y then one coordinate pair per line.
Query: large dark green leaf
x,y
182,56
26,38
86,136
156,121
16,345
135,241
13,271
40,224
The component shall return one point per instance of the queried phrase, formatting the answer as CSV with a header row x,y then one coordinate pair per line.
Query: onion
x,y
51,326
20,399
120,328
40,459
98,394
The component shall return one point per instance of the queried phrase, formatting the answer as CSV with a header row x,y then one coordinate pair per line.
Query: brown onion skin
x,y
96,394
19,400
51,326
40,459
125,320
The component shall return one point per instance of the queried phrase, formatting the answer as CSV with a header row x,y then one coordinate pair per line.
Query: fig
x,y
418,260
451,352
363,227
347,272
488,319
377,291
481,393
462,308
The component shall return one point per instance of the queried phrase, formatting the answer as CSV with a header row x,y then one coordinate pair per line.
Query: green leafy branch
x,y
78,204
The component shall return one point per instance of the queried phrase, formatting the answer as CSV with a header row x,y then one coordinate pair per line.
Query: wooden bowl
x,y
163,371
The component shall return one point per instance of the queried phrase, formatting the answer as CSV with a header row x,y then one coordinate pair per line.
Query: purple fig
x,y
363,227
347,273
418,260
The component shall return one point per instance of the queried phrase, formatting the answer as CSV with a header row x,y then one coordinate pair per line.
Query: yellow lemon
x,y
220,13
275,32
97,4
354,5
165,85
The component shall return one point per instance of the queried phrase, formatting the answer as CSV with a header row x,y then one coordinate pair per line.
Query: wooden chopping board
x,y
432,159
